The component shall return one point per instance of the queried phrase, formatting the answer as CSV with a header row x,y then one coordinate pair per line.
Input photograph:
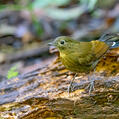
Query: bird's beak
x,y
52,47
50,44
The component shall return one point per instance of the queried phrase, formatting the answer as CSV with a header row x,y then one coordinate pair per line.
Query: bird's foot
x,y
90,87
70,88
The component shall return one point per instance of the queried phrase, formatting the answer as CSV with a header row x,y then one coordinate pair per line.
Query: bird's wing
x,y
92,52
85,55
99,48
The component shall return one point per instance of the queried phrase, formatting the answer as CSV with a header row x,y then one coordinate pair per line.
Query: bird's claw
x,y
90,87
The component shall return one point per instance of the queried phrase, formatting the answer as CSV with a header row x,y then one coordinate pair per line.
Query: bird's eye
x,y
62,42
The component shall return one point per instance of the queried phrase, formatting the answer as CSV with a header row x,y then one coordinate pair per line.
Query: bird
x,y
81,56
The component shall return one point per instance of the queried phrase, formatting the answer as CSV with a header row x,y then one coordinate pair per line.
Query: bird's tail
x,y
112,39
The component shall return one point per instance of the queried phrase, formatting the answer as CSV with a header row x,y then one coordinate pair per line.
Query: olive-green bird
x,y
82,57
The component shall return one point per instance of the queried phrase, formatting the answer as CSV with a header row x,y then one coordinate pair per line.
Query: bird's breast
x,y
71,62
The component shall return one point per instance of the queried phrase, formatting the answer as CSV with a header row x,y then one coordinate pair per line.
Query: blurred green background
x,y
26,27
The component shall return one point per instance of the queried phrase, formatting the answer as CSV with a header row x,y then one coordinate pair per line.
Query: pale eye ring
x,y
62,42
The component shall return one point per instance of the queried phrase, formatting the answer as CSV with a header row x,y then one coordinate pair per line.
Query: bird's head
x,y
63,43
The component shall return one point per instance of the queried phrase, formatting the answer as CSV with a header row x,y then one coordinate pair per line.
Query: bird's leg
x,y
91,78
71,82
91,84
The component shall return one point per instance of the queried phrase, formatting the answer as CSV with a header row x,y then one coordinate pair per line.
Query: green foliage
x,y
12,72
47,3
2,7
50,7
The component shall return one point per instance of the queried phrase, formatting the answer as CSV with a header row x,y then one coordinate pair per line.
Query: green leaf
x,y
47,3
65,14
12,72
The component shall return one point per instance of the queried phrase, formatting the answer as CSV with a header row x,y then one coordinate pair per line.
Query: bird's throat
x,y
62,55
